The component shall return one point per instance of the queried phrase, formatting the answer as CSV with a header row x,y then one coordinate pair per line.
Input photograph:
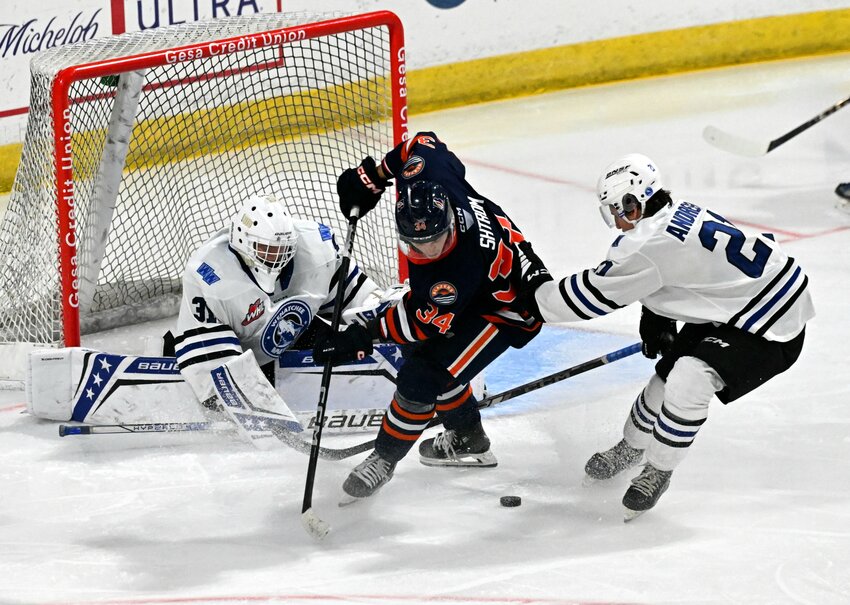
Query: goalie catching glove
x,y
361,186
353,343
657,333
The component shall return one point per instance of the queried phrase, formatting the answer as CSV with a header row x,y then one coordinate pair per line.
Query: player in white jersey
x,y
258,285
744,304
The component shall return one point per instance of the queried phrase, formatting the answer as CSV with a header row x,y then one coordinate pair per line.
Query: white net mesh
x,y
207,133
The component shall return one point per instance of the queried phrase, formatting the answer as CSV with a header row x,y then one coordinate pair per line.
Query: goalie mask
x,y
625,185
425,222
263,235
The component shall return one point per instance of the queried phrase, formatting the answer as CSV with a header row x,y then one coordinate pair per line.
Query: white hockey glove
x,y
376,304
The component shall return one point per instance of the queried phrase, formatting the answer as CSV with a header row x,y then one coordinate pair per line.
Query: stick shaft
x,y
328,369
522,389
741,146
145,427
806,125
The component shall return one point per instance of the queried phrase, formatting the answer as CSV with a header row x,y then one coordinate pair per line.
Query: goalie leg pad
x,y
100,388
248,399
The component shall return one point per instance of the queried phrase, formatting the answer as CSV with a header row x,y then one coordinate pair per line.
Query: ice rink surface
x,y
759,512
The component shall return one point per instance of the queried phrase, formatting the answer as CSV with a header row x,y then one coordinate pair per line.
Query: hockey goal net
x,y
139,147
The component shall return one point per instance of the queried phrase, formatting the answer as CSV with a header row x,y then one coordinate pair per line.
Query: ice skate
x,y
611,462
367,478
453,448
645,491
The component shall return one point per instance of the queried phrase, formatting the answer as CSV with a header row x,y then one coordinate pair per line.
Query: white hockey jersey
x,y
692,265
224,311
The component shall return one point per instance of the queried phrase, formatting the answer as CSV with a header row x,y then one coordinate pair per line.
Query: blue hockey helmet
x,y
425,221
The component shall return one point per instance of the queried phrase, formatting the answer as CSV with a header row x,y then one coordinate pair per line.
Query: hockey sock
x,y
458,409
690,387
638,428
404,421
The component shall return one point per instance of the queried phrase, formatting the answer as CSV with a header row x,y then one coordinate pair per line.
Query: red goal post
x,y
285,106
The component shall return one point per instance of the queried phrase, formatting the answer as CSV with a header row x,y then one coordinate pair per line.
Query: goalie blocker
x,y
90,386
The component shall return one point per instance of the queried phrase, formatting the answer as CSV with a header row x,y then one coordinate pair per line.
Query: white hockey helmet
x,y
263,234
625,185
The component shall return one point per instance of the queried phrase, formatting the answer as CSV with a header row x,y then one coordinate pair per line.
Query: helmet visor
x,y
427,249
621,208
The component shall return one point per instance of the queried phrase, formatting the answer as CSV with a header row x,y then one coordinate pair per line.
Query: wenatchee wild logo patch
x,y
288,322
443,293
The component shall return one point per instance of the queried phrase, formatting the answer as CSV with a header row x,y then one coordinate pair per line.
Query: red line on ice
x,y
343,599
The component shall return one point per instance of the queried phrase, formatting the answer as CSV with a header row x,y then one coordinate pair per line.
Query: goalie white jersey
x,y
692,265
224,311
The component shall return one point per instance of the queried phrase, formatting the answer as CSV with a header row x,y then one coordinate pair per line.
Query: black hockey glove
x,y
533,274
657,333
355,342
361,186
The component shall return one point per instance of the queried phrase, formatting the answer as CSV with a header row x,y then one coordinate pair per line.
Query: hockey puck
x,y
510,501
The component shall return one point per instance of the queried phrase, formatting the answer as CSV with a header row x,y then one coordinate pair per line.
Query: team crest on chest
x,y
443,293
412,167
255,311
288,322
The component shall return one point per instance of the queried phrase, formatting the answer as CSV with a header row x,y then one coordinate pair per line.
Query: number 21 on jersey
x,y
752,267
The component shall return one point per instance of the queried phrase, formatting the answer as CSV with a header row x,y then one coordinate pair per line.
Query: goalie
x,y
257,287
249,293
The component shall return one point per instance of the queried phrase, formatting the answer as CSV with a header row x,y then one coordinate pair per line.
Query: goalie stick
x,y
343,453
740,146
287,437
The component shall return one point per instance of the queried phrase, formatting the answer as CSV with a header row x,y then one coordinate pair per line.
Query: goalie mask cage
x,y
140,147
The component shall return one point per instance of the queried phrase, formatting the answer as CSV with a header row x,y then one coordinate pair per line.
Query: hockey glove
x,y
361,186
657,333
533,274
355,342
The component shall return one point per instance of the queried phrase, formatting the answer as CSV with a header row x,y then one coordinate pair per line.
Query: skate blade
x,y
588,481
487,460
631,515
347,500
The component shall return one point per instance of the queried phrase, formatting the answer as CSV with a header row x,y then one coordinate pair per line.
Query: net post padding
x,y
228,107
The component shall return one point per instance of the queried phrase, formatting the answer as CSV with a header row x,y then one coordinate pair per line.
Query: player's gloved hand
x,y
355,342
657,333
533,274
361,186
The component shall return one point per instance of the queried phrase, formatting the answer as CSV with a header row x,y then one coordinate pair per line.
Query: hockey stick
x,y
343,453
146,427
287,437
520,390
309,520
735,144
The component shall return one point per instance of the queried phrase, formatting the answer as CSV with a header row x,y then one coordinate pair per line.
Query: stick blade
x,y
732,143
314,526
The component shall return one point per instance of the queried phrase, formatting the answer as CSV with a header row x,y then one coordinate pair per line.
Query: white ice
x,y
759,512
